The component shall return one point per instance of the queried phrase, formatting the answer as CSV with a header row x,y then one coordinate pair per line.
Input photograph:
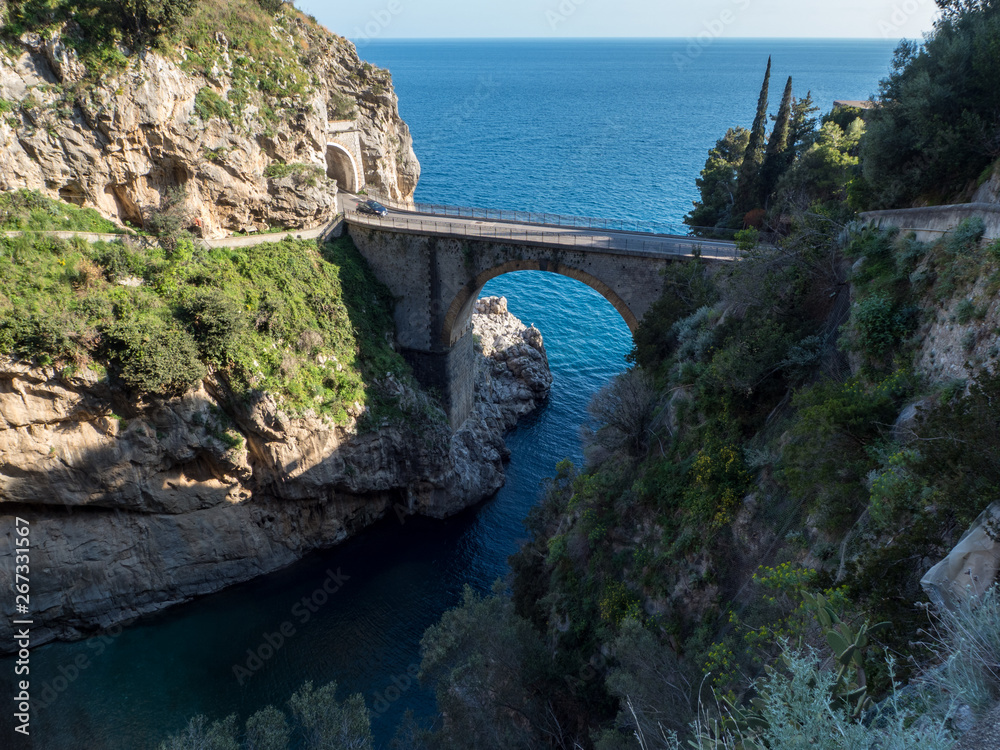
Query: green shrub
x,y
199,734
966,235
326,722
827,458
968,648
925,140
215,321
120,261
341,106
307,174
152,357
965,310
321,721
208,104
36,335
876,247
797,710
879,325
267,730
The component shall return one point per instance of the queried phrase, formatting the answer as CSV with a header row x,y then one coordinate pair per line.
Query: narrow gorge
x,y
131,514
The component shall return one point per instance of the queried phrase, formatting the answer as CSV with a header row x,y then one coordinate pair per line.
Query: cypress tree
x,y
748,181
776,157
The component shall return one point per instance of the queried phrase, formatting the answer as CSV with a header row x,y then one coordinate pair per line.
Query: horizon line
x,y
386,38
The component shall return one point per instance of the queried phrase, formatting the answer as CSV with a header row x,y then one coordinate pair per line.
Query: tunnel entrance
x,y
340,166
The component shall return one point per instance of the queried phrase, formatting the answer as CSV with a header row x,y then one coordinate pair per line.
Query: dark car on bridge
x,y
373,207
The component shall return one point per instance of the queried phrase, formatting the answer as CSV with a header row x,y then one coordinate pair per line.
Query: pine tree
x,y
802,131
748,181
717,184
777,157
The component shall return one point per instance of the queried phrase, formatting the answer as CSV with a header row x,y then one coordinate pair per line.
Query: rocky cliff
x,y
133,509
251,142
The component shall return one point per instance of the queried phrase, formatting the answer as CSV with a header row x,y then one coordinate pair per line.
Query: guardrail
x,y
632,243
549,219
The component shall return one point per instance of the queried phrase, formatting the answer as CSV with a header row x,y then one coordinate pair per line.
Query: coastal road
x,y
442,225
554,235
321,232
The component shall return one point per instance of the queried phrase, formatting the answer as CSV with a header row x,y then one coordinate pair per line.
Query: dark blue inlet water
x,y
612,129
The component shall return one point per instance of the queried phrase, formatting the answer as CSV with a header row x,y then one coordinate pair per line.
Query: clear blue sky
x,y
357,19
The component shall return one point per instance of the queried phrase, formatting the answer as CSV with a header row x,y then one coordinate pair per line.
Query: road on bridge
x,y
555,235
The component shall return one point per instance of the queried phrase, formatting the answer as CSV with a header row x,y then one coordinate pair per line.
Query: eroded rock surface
x,y
133,508
122,144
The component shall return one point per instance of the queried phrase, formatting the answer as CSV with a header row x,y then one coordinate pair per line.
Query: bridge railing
x,y
554,220
550,236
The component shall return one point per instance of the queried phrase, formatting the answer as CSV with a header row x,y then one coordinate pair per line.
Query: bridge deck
x,y
582,238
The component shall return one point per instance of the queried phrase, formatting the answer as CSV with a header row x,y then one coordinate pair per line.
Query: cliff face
x,y
135,508
120,143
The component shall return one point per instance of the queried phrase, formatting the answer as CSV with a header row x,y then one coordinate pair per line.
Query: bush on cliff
x,y
307,324
151,356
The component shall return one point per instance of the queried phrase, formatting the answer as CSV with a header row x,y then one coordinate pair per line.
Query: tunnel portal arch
x,y
340,166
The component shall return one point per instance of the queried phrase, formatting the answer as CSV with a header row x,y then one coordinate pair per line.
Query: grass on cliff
x,y
266,57
309,324
270,46
29,209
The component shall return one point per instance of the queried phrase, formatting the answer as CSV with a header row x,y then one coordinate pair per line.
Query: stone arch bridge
x,y
436,267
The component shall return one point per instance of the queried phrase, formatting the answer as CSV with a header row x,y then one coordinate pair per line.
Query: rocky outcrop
x,y
971,568
122,143
516,376
133,508
956,346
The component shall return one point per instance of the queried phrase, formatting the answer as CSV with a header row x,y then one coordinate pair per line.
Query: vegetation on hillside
x,y
738,564
270,50
30,210
935,133
931,137
319,722
307,323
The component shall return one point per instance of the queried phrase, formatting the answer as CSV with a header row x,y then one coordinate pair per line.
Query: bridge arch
x,y
341,166
458,317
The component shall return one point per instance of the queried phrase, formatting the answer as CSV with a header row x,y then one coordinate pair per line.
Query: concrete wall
x,y
436,281
931,222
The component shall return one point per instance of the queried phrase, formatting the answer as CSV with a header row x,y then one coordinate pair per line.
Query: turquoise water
x,y
596,128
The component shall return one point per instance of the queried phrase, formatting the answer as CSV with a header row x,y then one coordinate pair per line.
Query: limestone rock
x,y
971,567
121,144
518,374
